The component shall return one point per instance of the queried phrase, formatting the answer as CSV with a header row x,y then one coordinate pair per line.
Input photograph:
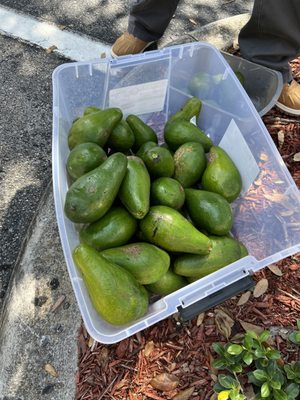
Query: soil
x,y
183,349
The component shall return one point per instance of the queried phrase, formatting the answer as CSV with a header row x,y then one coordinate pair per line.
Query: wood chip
x,y
122,348
244,298
280,137
247,326
261,287
149,347
275,269
200,319
192,21
296,157
51,49
275,197
91,342
164,382
224,323
51,370
184,394
264,156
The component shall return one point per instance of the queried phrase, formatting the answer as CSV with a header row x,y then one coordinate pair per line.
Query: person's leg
x,y
148,20
272,35
272,38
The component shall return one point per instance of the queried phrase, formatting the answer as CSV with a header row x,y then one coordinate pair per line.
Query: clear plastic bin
x,y
155,85
263,85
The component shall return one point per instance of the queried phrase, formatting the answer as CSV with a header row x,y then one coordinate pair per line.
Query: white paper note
x,y
140,99
237,148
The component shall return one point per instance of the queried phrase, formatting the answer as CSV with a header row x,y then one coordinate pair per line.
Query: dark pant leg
x,y
149,19
272,35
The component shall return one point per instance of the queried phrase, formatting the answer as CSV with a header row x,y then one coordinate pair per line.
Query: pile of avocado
x,y
153,218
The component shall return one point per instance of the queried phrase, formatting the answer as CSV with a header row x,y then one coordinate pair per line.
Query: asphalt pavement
x,y
107,19
25,129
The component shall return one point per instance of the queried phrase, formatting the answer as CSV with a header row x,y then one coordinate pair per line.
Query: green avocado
x,y
209,211
167,284
200,85
144,148
179,132
142,132
221,175
94,127
168,229
114,229
146,262
190,109
90,110
134,192
159,162
121,138
225,250
116,295
190,162
92,195
168,192
84,158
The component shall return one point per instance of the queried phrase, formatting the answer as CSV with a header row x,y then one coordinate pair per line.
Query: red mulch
x,y
124,370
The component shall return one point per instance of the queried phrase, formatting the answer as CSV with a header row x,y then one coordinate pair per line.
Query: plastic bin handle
x,y
216,298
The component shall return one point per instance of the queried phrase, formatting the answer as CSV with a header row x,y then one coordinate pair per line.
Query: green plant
x,y
255,361
295,336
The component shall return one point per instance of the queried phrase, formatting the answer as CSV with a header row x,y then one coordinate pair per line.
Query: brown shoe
x,y
128,44
289,100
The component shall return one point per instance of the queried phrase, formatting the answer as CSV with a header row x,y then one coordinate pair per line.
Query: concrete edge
x,y
40,326
16,267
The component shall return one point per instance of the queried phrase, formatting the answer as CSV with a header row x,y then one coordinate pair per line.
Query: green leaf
x,y
248,358
236,368
252,334
272,368
262,363
296,367
227,381
295,337
273,354
218,349
224,395
298,324
259,353
265,390
275,384
289,372
252,379
264,336
279,377
279,395
260,375
293,391
248,342
218,388
234,349
234,394
219,364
